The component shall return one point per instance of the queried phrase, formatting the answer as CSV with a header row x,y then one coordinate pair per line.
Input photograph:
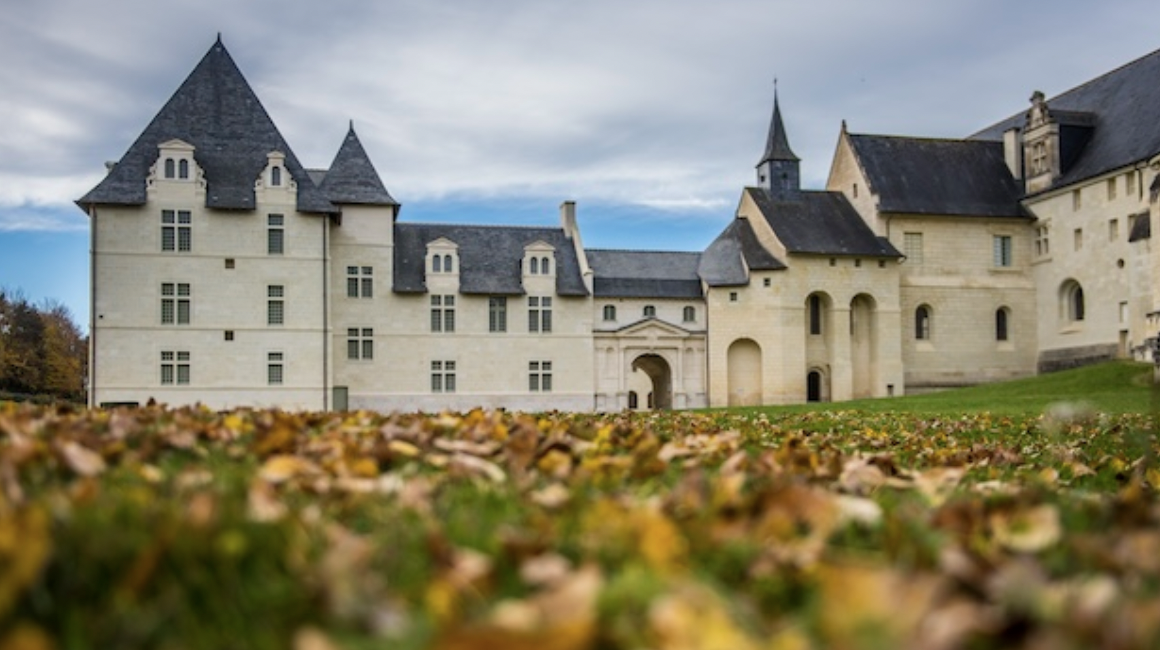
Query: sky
x,y
650,114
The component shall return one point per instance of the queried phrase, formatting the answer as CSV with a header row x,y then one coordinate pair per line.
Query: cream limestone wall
x,y
618,372
631,310
129,268
846,176
956,277
1089,244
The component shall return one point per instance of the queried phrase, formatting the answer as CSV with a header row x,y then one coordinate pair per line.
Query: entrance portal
x,y
660,375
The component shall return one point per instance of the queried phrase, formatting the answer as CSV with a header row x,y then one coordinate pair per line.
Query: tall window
x,y
1001,316
1130,183
535,266
1076,199
1039,158
276,176
650,311
175,303
912,247
1042,243
275,307
274,368
540,376
539,314
360,282
815,307
442,376
1002,250
442,263
183,169
1113,230
497,314
442,313
1111,188
275,235
922,323
174,367
360,343
609,312
169,168
175,231
689,314
1074,307
1078,237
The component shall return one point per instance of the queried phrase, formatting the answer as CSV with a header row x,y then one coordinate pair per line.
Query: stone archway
x,y
745,373
661,375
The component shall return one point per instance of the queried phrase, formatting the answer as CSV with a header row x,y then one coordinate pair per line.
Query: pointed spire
x,y
352,178
777,145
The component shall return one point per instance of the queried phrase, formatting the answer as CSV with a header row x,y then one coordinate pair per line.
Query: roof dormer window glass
x,y
169,168
275,176
183,169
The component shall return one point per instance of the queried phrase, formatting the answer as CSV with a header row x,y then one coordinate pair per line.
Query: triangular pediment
x,y
651,327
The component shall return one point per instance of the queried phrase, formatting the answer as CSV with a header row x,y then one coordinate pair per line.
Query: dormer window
x,y
442,264
441,255
183,169
275,176
174,161
1039,158
538,259
169,173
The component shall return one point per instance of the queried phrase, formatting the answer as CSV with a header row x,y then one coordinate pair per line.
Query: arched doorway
x,y
814,386
661,376
745,373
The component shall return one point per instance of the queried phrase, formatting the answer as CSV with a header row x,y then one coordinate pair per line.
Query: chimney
x,y
568,218
1013,151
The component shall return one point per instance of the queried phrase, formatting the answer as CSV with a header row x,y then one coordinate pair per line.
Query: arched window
x,y
609,312
275,176
183,168
169,168
1072,307
544,268
650,311
1077,304
690,314
535,266
922,323
447,266
437,264
1001,316
815,305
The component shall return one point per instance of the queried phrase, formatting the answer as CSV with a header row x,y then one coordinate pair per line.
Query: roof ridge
x,y
637,250
479,225
921,138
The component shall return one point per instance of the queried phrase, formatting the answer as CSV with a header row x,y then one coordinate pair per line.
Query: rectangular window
x,y
1078,236
274,368
443,376
1076,200
275,307
689,314
1130,183
1002,250
1113,230
1111,188
539,314
360,282
442,313
175,231
540,376
912,247
175,367
360,343
175,305
497,314
275,235
1042,243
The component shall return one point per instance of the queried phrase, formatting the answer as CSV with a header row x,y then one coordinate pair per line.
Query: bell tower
x,y
779,169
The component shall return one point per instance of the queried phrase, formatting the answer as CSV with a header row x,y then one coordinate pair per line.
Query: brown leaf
x,y
81,460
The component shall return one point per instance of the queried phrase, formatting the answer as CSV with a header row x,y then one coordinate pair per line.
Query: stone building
x,y
225,272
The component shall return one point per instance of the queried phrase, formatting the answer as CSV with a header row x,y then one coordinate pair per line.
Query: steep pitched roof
x,y
352,177
489,257
943,177
644,274
217,112
1126,106
777,145
736,251
821,223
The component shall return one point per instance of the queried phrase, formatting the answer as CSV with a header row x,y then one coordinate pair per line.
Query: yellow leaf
x,y
82,460
278,469
1028,530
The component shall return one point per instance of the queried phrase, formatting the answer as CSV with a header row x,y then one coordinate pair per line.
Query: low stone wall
x,y
1067,358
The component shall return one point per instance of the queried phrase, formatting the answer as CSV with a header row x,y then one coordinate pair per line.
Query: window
x,y
1076,200
169,168
360,343
535,270
767,282
539,314
437,264
540,376
1113,230
922,323
183,169
1039,158
175,231
442,313
650,311
855,190
274,368
609,312
175,303
1042,244
732,296
1078,235
229,335
497,314
229,262
174,368
815,306
360,282
275,235
442,376
857,264
912,247
442,263
1130,183
689,315
275,307
1001,245
1073,308
275,176
1111,188
1001,316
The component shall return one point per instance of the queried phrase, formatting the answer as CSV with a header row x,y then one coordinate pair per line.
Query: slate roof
x,y
352,177
1126,106
644,274
217,112
822,223
777,145
489,257
729,258
938,177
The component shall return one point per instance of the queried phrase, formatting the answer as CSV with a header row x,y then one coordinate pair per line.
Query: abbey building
x,y
226,273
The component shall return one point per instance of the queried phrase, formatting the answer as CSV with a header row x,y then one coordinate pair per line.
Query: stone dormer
x,y
175,168
539,261
1052,141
